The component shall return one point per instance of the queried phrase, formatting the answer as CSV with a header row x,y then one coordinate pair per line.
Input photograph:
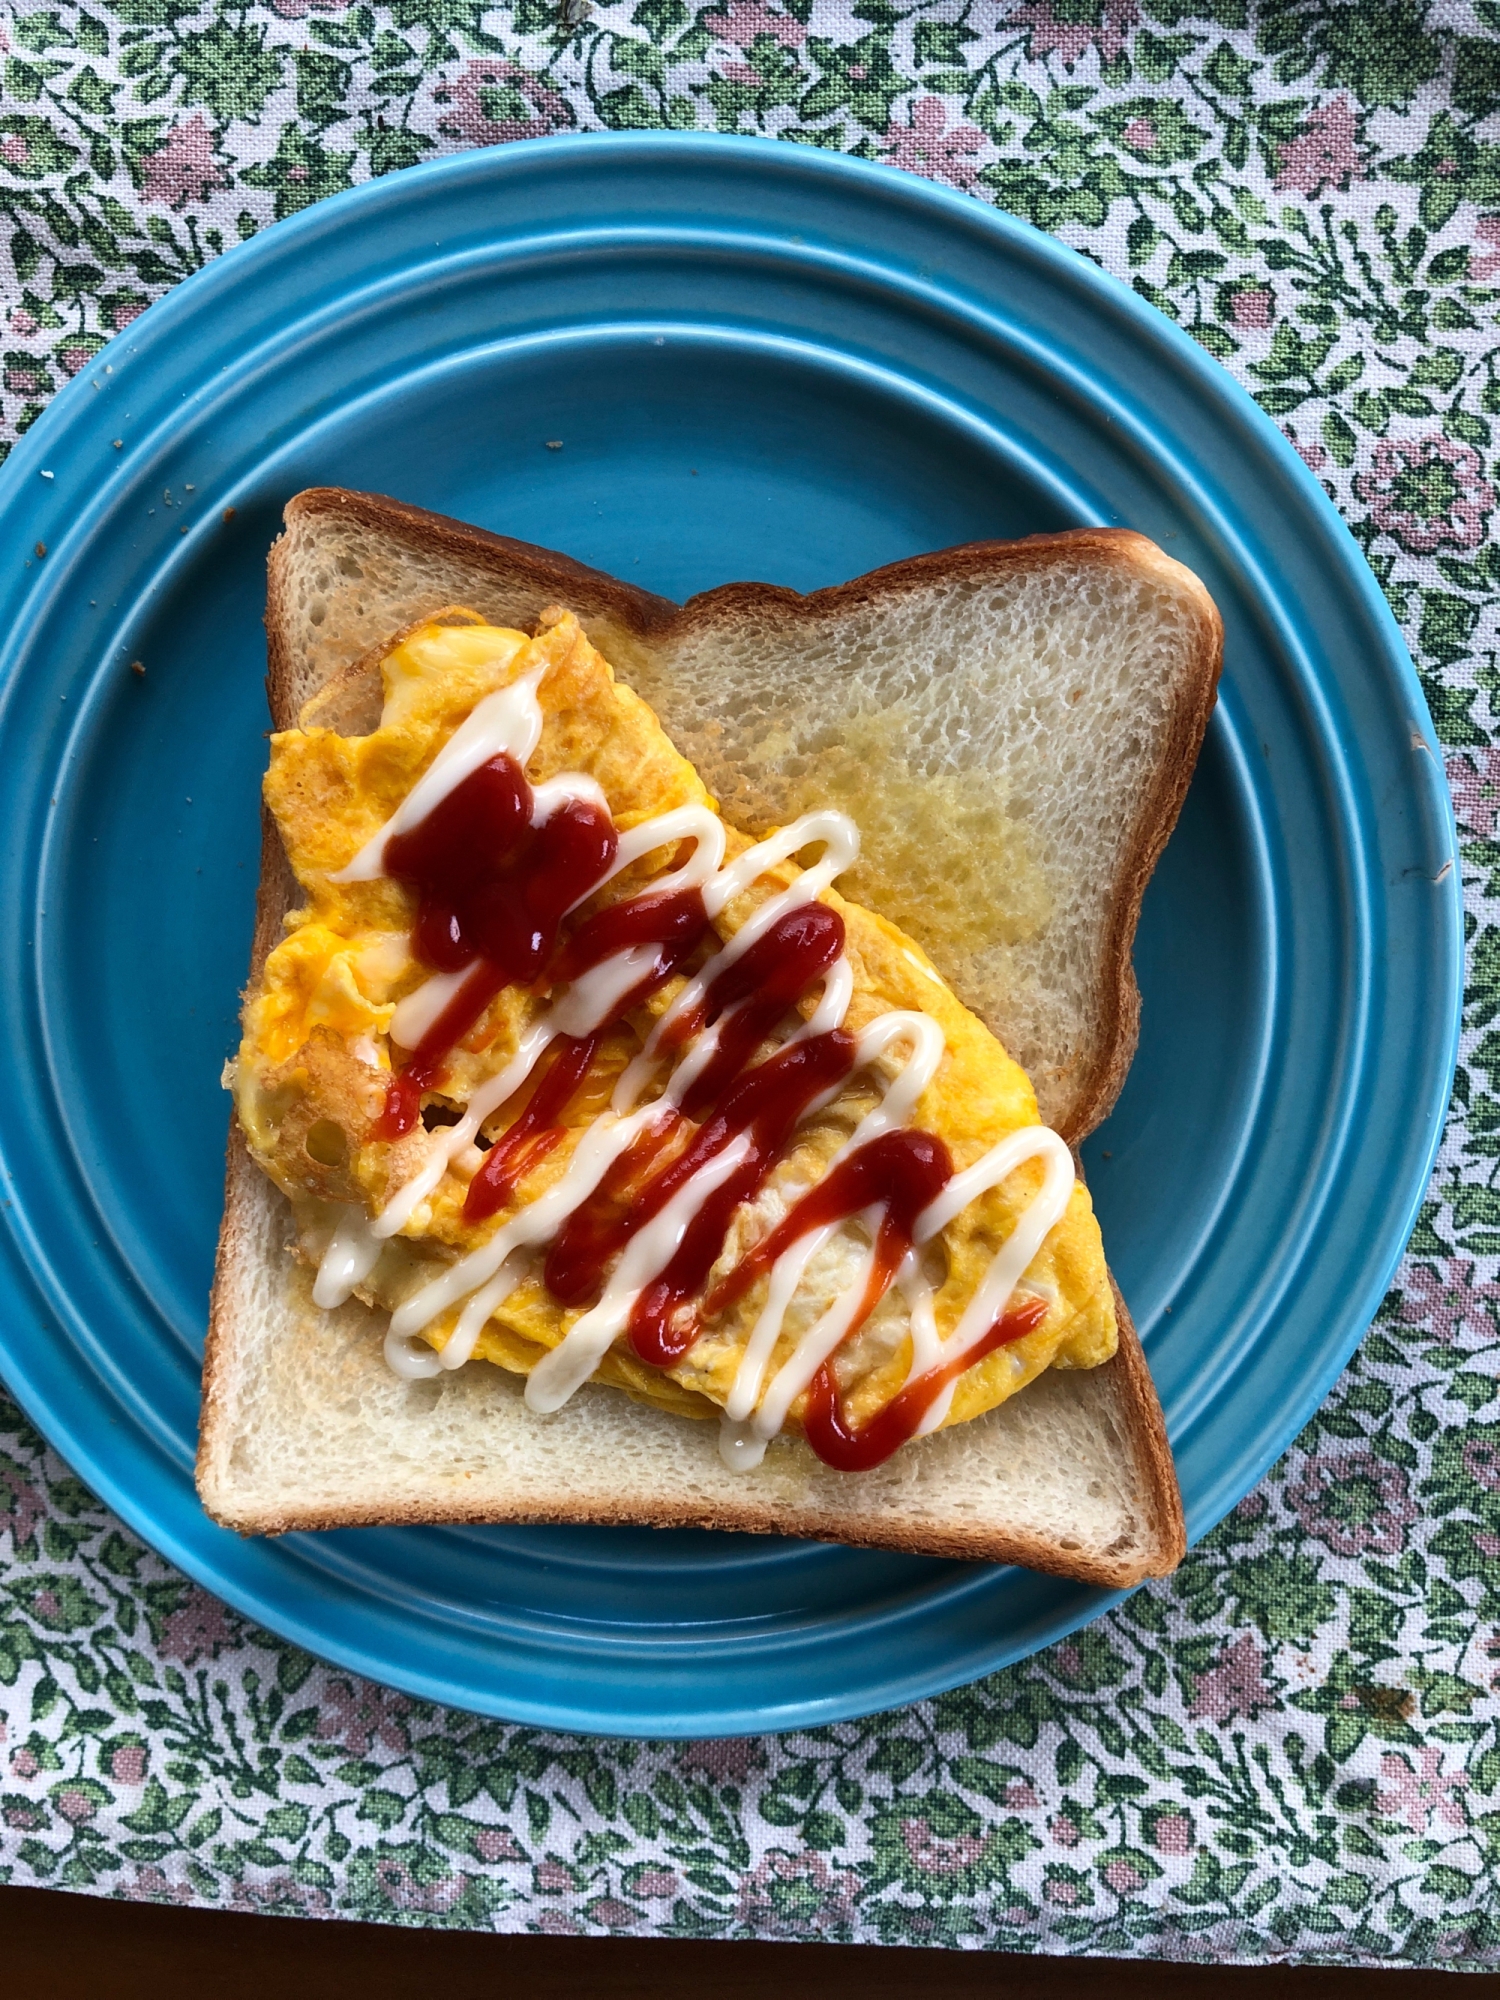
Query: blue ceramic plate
x,y
761,361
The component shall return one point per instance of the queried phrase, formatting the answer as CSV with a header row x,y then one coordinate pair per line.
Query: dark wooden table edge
x,y
66,1943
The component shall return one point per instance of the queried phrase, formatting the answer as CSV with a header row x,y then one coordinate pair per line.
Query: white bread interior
x,y
1073,675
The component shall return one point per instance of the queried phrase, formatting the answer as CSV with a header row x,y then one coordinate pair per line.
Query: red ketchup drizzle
x,y
493,887
535,1133
766,1102
761,985
901,1172
674,923
850,1449
403,1096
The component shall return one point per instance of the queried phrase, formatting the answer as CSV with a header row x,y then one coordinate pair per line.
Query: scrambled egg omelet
x,y
315,1061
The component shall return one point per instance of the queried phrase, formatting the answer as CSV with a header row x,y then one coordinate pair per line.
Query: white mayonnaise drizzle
x,y
589,1002
601,1145
738,1434
834,830
696,823
1041,1216
746,1429
570,1364
485,1277
412,1360
510,721
551,796
507,722
584,1005
839,836
821,1340
899,1100
420,1010
349,1259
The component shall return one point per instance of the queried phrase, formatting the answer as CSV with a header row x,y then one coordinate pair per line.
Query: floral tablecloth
x,y
1291,1750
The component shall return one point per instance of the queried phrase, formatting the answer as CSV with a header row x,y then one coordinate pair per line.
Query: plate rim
x,y
295,237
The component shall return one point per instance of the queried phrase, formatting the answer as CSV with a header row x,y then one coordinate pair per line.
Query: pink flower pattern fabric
x,y
1291,1750
184,167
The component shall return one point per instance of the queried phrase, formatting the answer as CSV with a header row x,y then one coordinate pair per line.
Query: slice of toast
x,y
1041,700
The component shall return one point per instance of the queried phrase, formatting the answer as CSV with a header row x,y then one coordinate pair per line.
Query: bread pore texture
x,y
1013,727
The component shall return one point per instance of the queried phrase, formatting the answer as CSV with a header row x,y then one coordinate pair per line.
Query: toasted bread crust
x,y
274,896
620,612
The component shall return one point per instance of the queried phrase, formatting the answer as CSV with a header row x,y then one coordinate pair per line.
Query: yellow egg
x,y
316,1052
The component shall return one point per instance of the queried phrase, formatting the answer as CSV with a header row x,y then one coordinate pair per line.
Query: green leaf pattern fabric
x,y
1290,1750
